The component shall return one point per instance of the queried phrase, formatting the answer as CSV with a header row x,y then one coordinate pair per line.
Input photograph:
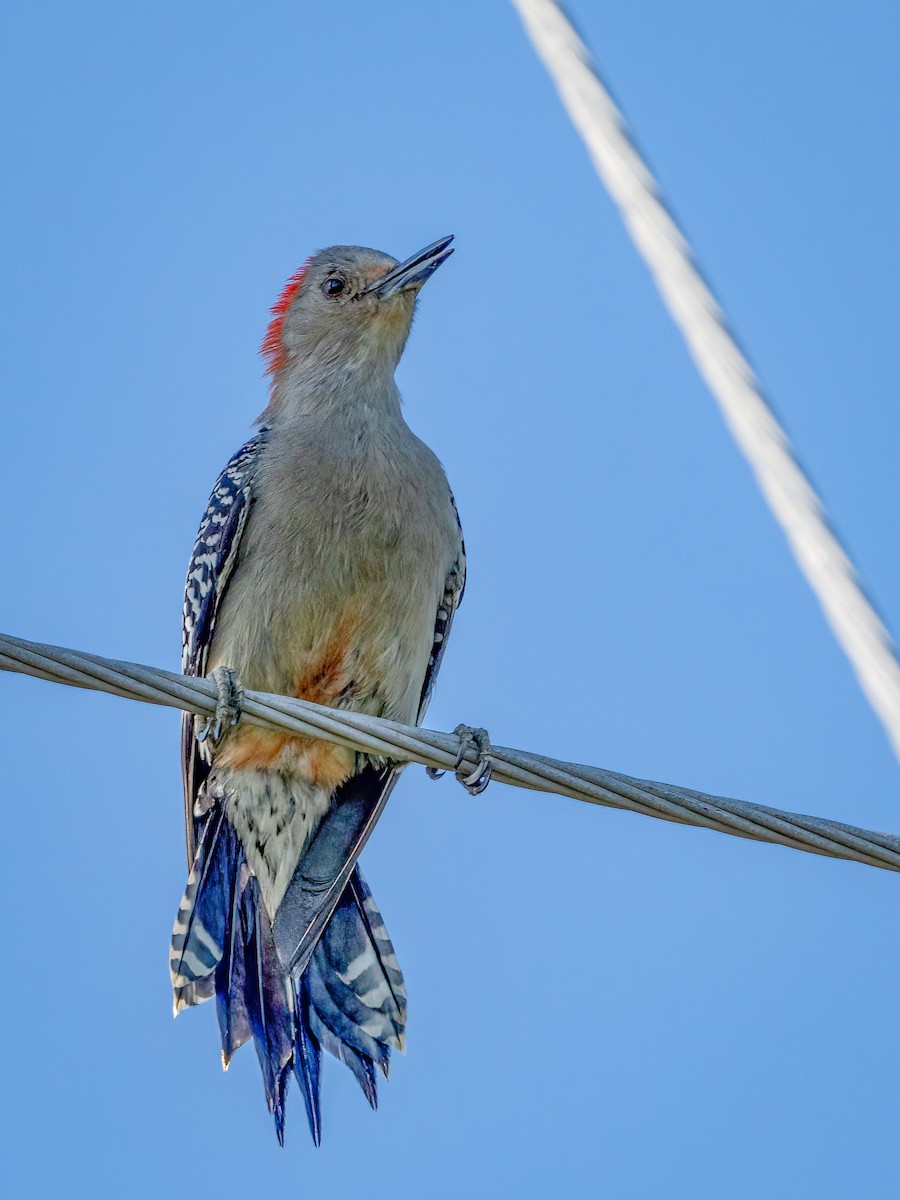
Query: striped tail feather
x,y
356,989
382,982
199,932
332,1013
350,1001
360,1064
355,961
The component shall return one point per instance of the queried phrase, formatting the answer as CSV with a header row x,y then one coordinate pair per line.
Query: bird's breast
x,y
341,571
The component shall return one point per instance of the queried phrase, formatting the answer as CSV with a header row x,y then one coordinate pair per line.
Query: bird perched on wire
x,y
328,565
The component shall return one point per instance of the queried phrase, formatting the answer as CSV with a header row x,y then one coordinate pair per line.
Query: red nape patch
x,y
271,349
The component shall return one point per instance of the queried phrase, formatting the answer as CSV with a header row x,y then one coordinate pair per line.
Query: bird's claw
x,y
229,706
476,781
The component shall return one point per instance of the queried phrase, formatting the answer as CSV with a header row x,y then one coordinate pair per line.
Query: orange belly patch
x,y
325,677
326,674
321,763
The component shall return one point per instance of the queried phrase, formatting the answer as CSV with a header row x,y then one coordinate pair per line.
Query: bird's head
x,y
348,309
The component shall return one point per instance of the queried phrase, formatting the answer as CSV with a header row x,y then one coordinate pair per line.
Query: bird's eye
x,y
333,287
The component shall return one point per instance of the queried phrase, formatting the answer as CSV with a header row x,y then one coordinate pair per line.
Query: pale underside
x,y
336,603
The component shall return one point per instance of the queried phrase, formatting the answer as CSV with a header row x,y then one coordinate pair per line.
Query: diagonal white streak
x,y
754,426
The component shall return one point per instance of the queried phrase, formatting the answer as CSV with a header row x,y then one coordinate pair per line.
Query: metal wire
x,y
754,426
405,743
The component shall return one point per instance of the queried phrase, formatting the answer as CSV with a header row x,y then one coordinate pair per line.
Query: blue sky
x,y
600,1004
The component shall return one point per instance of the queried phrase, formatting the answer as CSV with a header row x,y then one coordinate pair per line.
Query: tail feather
x,y
199,931
372,1021
358,948
341,1025
360,1064
307,1062
268,1008
231,973
350,1000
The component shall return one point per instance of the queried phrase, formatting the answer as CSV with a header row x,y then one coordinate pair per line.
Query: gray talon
x,y
229,706
477,781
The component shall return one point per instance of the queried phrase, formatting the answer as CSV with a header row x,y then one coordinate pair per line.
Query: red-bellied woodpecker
x,y
328,565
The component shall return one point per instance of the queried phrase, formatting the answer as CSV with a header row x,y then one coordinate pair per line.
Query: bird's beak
x,y
413,272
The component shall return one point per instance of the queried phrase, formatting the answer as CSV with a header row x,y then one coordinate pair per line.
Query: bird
x,y
329,565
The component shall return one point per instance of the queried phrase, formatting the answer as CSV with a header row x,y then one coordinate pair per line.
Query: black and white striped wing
x,y
209,570
450,602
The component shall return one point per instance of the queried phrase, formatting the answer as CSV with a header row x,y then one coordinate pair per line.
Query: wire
x,y
754,426
404,743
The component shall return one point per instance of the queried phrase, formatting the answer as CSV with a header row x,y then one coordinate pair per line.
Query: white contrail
x,y
754,426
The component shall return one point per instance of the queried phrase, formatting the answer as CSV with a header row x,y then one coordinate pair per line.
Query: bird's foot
x,y
229,706
477,780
